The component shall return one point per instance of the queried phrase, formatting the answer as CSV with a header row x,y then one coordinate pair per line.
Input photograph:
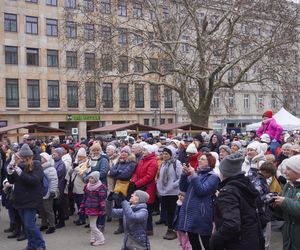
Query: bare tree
x,y
194,47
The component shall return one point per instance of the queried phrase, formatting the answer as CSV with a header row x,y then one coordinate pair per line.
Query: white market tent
x,y
283,118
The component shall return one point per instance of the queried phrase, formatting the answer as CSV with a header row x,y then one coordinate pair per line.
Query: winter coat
x,y
78,180
271,128
68,161
290,212
28,187
102,166
174,171
196,213
93,203
193,161
123,169
215,147
50,172
134,221
144,176
61,174
36,152
235,216
251,165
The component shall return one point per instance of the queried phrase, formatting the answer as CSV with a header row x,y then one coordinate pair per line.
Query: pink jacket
x,y
271,128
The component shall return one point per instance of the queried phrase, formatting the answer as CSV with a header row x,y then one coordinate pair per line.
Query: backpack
x,y
45,185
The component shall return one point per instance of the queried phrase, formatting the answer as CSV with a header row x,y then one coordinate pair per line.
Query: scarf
x,y
165,172
93,187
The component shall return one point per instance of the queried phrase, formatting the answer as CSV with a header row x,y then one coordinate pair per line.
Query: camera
x,y
270,197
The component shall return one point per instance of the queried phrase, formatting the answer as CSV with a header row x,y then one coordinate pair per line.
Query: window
x,y
152,15
106,62
52,58
185,48
71,30
273,101
33,94
71,59
216,101
31,1
167,65
246,101
260,102
166,13
122,39
231,100
32,56
11,55
89,31
153,64
31,25
53,94
89,61
90,95
139,96
106,33
12,93
230,76
51,2
123,64
137,38
105,6
138,65
88,5
154,98
10,22
168,98
122,8
70,4
72,94
107,95
146,121
170,120
123,95
51,27
137,10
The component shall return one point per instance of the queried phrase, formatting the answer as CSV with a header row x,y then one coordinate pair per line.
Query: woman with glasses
x,y
196,213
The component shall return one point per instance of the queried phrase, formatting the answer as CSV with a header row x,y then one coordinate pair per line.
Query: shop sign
x,y
83,117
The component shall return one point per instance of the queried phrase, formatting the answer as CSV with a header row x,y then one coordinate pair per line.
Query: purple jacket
x,y
271,128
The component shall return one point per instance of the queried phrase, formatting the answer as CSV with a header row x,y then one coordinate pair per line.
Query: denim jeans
x,y
32,232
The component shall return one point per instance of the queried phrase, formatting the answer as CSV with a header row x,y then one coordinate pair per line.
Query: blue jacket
x,y
102,167
196,213
123,170
61,174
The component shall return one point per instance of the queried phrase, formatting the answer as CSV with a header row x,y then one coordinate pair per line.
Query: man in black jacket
x,y
236,222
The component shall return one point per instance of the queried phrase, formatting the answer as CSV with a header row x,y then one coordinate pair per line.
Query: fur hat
x,y
95,175
293,163
255,146
191,149
126,149
25,151
268,114
81,152
143,196
231,165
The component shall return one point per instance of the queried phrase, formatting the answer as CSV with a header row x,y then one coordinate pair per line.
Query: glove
x,y
18,170
119,197
52,195
215,244
131,188
281,179
10,169
110,196
274,140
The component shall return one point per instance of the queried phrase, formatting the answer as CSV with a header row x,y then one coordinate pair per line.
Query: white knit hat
x,y
149,148
255,146
293,163
192,149
81,152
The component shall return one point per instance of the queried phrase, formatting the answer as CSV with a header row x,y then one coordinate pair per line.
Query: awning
x,y
123,126
238,120
185,127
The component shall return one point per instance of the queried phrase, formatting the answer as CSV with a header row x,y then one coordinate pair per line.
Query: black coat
x,y
28,187
235,216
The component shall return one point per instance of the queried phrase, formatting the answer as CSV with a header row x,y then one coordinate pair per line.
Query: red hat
x,y
65,146
268,114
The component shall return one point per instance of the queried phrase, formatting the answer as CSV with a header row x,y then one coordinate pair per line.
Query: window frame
x,y
36,53
122,8
89,61
168,98
137,10
33,93
90,95
52,58
89,32
123,64
53,27
124,95
13,92
107,95
32,25
105,7
50,2
71,56
72,94
53,94
9,21
71,30
139,96
154,94
11,57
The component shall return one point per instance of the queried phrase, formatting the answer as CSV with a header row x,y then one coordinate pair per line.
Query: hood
x,y
257,158
130,158
139,206
219,137
49,160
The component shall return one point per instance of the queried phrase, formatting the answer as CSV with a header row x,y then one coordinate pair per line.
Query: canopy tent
x,y
183,127
122,126
283,118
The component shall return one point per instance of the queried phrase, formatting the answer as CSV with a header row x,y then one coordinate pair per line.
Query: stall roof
x,y
183,126
123,126
36,126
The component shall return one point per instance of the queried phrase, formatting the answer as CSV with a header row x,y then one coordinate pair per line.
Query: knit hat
x,y
293,163
112,147
226,148
295,148
25,151
265,138
46,156
199,138
81,152
95,145
237,143
231,165
60,151
95,175
268,114
264,147
191,149
176,142
65,146
143,196
255,146
126,149
15,147
149,148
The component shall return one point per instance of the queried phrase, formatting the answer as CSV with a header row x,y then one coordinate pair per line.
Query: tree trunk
x,y
199,116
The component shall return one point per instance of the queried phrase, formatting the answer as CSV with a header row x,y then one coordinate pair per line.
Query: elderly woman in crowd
x,y
196,213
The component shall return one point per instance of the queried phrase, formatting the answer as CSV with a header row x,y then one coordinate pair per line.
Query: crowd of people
x,y
210,191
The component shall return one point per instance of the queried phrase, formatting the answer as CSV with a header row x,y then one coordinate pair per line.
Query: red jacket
x,y
194,160
144,176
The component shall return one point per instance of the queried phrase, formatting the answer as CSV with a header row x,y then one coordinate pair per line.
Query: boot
x,y
50,230
60,225
170,235
119,231
43,228
22,237
11,228
14,234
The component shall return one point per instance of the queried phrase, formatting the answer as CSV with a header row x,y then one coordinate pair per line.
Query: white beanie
x,y
255,146
192,149
149,148
264,147
293,163
265,138
81,152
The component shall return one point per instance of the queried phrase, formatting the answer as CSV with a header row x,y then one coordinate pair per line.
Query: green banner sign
x,y
83,117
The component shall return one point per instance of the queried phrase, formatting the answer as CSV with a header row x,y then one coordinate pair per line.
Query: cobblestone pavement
x,y
77,238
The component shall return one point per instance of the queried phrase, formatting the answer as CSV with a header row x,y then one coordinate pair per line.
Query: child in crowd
x,y
182,236
93,205
135,215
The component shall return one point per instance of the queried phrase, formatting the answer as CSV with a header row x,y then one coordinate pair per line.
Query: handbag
x,y
134,244
275,186
122,187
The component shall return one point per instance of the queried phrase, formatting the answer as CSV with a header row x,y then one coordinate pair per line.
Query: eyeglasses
x,y
202,159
